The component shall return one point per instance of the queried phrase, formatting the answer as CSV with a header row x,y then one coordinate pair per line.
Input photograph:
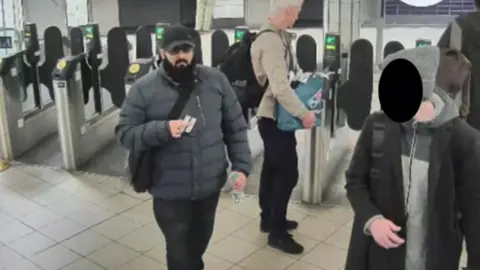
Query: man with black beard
x,y
190,161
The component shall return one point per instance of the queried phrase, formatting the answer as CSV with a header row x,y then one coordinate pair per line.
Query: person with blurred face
x,y
190,162
272,62
467,27
413,186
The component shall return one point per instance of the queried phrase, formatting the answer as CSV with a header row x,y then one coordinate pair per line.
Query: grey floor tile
x,y
55,258
12,231
84,264
62,229
32,244
40,218
113,256
86,242
8,257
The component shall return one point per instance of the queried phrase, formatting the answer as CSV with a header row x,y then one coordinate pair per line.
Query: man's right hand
x,y
308,120
385,233
176,128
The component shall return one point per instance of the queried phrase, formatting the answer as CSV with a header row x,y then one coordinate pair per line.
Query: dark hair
x,y
477,3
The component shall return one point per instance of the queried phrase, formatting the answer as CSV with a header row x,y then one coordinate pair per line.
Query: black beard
x,y
184,75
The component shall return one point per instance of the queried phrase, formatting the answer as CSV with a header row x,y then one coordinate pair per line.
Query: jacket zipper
x,y
411,156
199,104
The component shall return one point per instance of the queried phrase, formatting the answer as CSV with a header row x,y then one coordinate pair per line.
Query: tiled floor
x,y
52,220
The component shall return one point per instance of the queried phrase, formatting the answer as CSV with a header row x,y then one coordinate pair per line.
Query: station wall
x,y
227,13
132,13
46,13
105,13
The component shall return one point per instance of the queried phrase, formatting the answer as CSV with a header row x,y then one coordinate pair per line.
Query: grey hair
x,y
278,5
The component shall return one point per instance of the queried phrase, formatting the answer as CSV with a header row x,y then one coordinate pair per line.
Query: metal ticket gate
x,y
80,137
82,141
328,144
20,131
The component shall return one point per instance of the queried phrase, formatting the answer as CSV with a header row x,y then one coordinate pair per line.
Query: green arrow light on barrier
x,y
239,35
160,31
330,40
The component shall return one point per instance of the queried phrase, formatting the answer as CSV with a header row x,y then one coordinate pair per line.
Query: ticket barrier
x,y
138,69
327,144
88,145
20,131
423,43
80,139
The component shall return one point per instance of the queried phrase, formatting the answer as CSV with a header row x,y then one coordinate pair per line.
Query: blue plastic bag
x,y
309,90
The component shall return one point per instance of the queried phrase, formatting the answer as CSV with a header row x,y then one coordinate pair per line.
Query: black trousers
x,y
279,173
187,227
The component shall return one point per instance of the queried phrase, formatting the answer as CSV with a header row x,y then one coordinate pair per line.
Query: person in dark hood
x,y
414,186
188,153
469,24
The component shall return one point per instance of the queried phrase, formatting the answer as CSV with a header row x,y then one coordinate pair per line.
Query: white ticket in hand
x,y
190,123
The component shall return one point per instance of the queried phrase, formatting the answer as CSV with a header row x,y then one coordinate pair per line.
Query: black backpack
x,y
236,64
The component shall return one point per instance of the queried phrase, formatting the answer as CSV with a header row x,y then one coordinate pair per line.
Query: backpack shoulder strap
x,y
264,31
456,36
287,50
378,137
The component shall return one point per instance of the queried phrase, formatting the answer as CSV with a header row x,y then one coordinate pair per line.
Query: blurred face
x,y
179,56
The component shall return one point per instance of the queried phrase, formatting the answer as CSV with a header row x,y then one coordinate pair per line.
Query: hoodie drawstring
x,y
410,164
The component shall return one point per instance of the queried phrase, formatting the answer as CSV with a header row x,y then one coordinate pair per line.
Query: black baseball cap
x,y
175,36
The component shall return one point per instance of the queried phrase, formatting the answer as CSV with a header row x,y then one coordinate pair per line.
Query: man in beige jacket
x,y
272,60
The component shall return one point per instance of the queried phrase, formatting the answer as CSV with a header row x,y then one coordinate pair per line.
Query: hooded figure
x,y
469,24
425,183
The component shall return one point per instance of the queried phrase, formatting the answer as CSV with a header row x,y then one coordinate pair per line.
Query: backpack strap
x,y
288,52
378,137
267,83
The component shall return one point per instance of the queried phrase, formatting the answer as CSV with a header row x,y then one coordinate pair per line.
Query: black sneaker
x,y
285,243
266,226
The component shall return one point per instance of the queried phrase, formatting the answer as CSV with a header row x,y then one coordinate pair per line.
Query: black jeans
x,y
279,173
187,227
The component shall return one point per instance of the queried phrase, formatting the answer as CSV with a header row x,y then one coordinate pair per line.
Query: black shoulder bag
x,y
141,164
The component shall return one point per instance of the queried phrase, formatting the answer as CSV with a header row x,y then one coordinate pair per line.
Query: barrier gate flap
x,y
355,97
307,53
392,47
220,44
118,63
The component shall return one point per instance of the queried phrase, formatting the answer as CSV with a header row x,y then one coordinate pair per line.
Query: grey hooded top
x,y
415,152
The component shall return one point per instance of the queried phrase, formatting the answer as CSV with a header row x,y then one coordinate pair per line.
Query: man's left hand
x,y
240,182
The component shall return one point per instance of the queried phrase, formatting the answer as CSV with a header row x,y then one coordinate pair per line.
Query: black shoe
x,y
266,226
285,243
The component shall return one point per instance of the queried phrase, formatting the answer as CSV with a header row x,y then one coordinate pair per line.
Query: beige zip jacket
x,y
271,60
